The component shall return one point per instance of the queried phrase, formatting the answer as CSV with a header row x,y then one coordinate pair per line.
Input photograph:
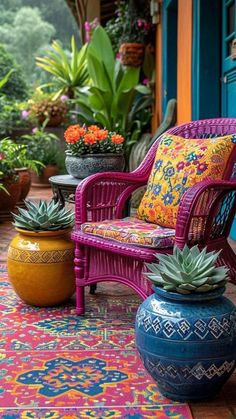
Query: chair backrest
x,y
194,129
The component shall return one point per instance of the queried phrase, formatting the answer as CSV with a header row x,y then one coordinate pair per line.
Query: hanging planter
x,y
132,54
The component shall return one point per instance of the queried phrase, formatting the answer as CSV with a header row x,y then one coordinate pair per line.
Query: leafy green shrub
x,y
11,116
42,146
16,87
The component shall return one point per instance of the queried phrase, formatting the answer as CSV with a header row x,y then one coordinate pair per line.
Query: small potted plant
x,y
136,30
186,330
10,185
43,146
45,107
40,257
17,155
92,149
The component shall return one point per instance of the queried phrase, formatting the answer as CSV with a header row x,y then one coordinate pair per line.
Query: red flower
x,y
101,134
93,128
2,156
74,133
90,138
117,139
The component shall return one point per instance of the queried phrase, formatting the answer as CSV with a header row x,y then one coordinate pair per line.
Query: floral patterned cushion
x,y
130,230
179,164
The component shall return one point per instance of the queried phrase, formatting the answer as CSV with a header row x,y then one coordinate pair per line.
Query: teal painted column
x,y
206,64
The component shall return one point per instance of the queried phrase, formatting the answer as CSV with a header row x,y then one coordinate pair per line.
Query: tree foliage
x,y
26,34
16,86
27,28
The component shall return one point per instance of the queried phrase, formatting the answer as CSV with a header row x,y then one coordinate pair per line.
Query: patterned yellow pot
x,y
40,266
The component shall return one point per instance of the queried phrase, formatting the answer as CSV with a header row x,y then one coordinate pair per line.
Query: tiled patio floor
x,y
222,407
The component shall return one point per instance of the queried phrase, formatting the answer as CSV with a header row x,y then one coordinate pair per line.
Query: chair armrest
x,y
103,196
206,213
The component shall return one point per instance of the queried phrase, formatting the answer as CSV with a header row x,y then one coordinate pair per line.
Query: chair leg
x,y
80,306
79,262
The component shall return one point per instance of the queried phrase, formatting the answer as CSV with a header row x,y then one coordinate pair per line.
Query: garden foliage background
x,y
27,28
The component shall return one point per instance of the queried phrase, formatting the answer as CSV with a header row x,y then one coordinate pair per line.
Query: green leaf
x,y
144,90
100,45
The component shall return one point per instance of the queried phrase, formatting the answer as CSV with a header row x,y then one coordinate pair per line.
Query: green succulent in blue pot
x,y
186,330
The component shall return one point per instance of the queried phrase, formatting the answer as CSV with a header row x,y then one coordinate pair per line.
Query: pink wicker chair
x,y
205,217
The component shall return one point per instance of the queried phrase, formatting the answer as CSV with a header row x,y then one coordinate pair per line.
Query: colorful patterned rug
x,y
54,364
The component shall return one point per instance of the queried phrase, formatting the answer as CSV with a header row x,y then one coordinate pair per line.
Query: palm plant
x,y
69,72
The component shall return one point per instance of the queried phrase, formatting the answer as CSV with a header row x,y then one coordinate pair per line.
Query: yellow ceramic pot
x,y
40,266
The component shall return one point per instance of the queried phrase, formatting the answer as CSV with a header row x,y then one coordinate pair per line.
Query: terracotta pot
x,y
25,182
40,266
132,54
42,179
8,201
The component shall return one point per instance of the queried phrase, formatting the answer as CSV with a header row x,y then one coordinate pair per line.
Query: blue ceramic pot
x,y
187,342
89,164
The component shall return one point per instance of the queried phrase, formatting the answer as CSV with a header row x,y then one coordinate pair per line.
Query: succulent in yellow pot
x,y
40,256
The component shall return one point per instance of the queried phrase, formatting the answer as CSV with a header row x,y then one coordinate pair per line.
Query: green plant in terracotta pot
x,y
40,257
43,146
186,330
18,156
10,185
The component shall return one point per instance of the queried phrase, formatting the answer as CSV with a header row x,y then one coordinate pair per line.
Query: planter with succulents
x,y
40,256
186,330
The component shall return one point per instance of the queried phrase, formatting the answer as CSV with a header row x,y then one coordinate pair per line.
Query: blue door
x,y
229,67
229,58
169,51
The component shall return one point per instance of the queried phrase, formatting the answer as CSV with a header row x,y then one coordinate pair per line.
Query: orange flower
x,y
117,139
93,128
73,133
90,138
102,134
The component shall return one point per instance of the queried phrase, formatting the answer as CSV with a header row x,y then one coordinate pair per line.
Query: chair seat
x,y
130,230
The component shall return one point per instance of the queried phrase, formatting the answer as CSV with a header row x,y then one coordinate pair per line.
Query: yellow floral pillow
x,y
179,164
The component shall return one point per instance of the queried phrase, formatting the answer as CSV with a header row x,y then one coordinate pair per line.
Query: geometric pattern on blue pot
x,y
215,328
197,371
